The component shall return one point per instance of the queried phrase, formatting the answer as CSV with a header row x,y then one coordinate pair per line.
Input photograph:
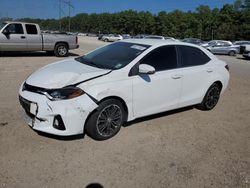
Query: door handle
x,y
177,76
209,70
23,37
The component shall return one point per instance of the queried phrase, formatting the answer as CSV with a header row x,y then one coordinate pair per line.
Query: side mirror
x,y
6,32
146,69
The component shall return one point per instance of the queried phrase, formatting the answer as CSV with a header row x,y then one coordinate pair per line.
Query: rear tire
x,y
106,40
232,53
211,98
106,121
61,50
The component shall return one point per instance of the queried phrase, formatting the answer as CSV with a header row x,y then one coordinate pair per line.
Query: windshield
x,y
113,56
2,25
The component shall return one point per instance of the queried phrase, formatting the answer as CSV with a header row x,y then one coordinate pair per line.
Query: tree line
x,y
231,22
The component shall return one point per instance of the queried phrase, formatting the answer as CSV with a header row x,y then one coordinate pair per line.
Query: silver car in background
x,y
223,47
111,38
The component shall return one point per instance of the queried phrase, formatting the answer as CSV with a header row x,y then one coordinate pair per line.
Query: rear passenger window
x,y
162,58
31,29
191,56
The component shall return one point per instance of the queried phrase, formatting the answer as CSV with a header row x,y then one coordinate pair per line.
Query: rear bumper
x,y
74,46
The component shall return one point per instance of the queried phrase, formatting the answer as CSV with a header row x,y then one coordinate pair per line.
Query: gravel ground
x,y
184,148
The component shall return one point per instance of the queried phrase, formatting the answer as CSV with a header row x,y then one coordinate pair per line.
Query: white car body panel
x,y
142,94
63,73
156,93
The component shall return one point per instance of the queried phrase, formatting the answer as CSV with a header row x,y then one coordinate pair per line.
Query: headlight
x,y
65,93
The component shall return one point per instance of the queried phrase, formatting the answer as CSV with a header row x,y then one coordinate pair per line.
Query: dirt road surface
x,y
185,148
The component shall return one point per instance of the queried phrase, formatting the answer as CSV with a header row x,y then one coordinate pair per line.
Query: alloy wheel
x,y
109,120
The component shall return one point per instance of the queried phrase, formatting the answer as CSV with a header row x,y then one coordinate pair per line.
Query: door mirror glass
x,y
146,69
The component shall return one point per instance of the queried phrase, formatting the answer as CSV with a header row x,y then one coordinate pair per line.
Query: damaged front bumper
x,y
64,117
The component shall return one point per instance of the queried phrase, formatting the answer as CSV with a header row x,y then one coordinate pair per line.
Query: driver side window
x,y
15,28
162,58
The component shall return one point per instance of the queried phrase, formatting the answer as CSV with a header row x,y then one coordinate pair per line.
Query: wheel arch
x,y
219,83
61,42
120,100
104,99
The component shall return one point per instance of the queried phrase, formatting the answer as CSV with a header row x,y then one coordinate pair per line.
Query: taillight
x,y
76,39
227,67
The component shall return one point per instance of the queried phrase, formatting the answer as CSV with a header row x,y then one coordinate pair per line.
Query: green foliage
x,y
231,22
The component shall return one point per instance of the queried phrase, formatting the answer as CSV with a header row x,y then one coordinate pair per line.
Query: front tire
x,y
211,98
61,50
232,53
106,121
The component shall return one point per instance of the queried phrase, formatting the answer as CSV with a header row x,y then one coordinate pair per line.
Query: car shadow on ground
x,y
62,138
242,58
159,115
147,118
30,54
94,185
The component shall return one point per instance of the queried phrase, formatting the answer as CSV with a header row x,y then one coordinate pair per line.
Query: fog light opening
x,y
58,123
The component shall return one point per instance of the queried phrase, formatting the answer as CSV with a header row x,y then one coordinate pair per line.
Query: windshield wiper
x,y
88,62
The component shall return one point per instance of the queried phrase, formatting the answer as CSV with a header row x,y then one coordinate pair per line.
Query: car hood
x,y
63,73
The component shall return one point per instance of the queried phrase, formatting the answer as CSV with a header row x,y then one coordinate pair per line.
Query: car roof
x,y
157,42
18,22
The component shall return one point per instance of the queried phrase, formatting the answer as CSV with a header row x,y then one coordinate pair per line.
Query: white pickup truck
x,y
20,36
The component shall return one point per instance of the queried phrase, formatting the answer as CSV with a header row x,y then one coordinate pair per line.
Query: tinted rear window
x,y
31,29
191,56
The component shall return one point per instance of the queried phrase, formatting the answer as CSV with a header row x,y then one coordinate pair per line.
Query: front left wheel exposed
x,y
211,98
106,121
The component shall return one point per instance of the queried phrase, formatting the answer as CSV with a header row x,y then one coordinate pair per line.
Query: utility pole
x,y
69,6
68,3
212,33
60,16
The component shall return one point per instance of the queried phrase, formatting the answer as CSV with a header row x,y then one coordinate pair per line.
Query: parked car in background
x,y
246,52
140,36
20,36
216,42
170,38
100,36
111,38
154,37
126,36
241,45
193,41
82,34
100,91
224,47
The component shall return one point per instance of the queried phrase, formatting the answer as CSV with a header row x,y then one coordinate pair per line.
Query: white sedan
x,y
100,91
